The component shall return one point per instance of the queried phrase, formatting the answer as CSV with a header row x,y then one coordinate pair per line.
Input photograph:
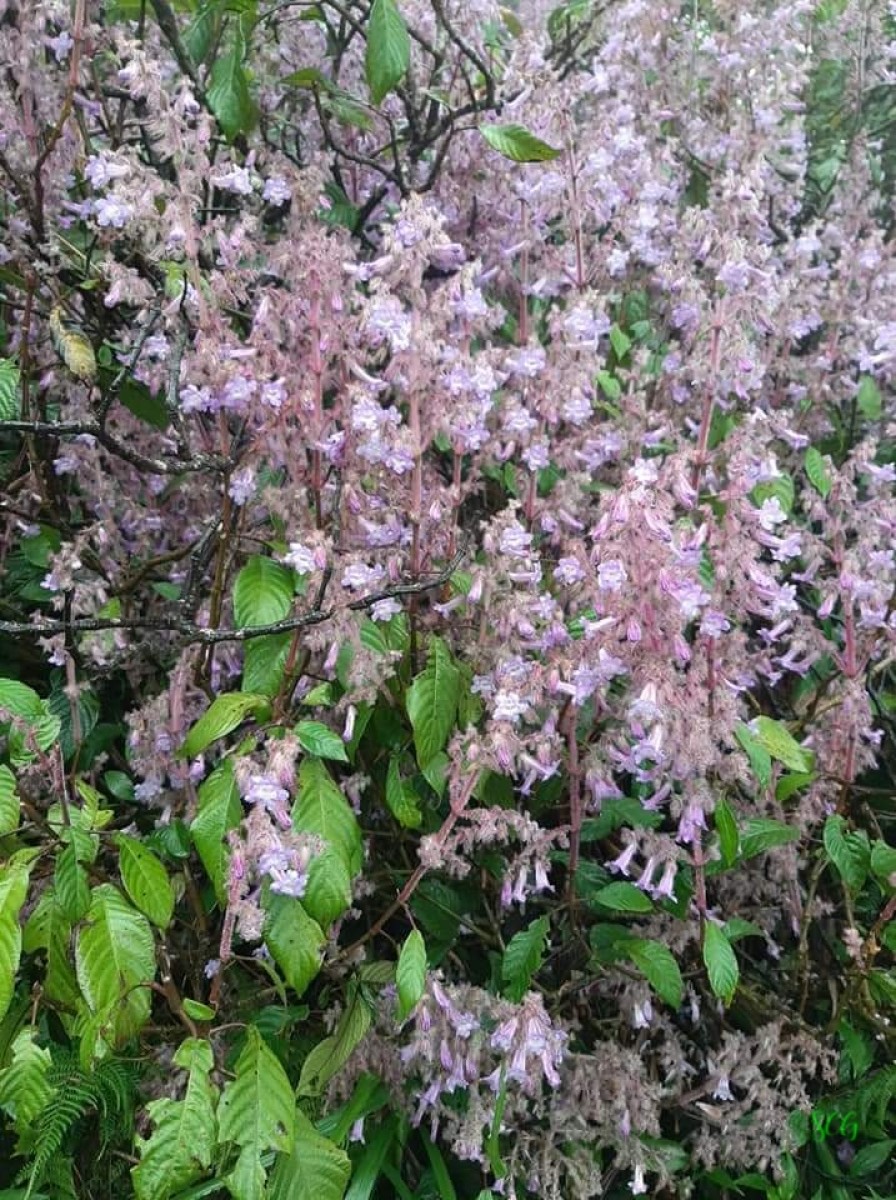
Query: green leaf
x,y
432,701
220,811
72,890
410,974
316,1169
181,1146
21,700
760,759
321,808
726,828
523,957
517,143
330,1055
738,928
13,890
659,968
262,593
620,342
198,1011
623,897
114,955
817,472
145,881
329,889
9,801
848,850
388,53
295,941
138,399
781,745
257,1113
10,405
48,929
401,799
883,864
721,963
264,660
223,716
317,738
868,399
24,1087
228,92
872,1158
762,833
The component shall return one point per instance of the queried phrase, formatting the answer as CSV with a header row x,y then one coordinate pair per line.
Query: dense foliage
x,y
447,599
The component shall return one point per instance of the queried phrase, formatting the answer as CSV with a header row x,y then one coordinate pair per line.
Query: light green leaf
x,y
264,660
432,701
660,969
219,812
317,738
623,897
400,798
10,404
760,759
315,1170
13,890
72,890
868,399
321,808
228,92
114,955
181,1146
523,957
257,1113
817,472
9,801
329,890
762,833
223,716
883,864
330,1055
410,974
295,941
388,49
145,881
721,963
21,700
726,827
517,143
781,745
198,1011
48,929
262,593
620,341
848,850
24,1087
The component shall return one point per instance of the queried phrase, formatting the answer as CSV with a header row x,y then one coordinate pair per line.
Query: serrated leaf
x,y
817,472
883,864
114,956
432,701
328,892
317,738
523,957
760,759
873,1157
388,53
219,812
659,968
48,929
781,745
224,715
24,1087
315,1170
71,887
295,941
262,593
848,850
726,828
721,963
264,660
10,404
197,1010
13,890
21,700
623,897
228,92
517,143
400,799
257,1113
321,808
330,1055
145,881
762,833
9,801
181,1146
410,974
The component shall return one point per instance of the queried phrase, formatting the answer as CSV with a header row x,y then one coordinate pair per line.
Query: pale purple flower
x,y
276,190
300,557
611,575
664,890
623,861
237,180
385,610
515,541
110,211
242,486
508,706
360,577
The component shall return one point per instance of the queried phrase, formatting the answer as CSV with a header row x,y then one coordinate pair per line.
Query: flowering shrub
x,y
449,598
